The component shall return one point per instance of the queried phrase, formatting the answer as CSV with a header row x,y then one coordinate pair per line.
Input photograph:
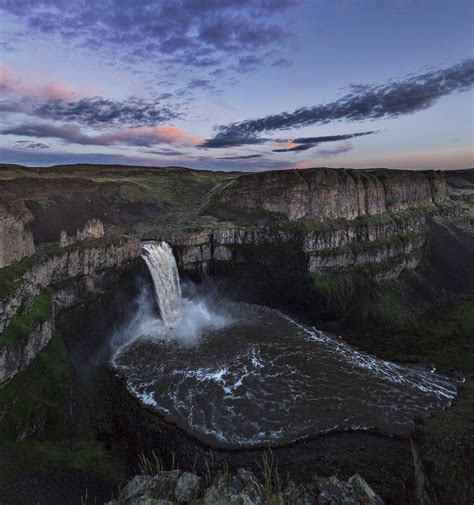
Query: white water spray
x,y
164,272
183,319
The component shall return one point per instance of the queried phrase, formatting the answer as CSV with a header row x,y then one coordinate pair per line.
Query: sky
x,y
238,84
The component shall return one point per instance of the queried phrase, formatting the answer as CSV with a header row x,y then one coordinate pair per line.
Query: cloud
x,y
343,148
282,62
367,102
6,106
190,32
302,147
18,83
26,144
248,63
245,157
305,143
143,137
99,111
200,84
224,140
165,152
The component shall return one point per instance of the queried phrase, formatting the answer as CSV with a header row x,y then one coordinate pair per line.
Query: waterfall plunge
x,y
183,318
164,272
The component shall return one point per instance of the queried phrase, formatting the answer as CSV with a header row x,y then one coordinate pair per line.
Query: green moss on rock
x,y
21,325
11,276
36,400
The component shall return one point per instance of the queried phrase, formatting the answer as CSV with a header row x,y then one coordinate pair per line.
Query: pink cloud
x,y
143,137
33,85
341,149
286,144
147,136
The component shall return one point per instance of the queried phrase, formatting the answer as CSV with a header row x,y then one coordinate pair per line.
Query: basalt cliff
x,y
382,257
308,231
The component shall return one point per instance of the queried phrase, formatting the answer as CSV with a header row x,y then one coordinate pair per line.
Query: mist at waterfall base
x,y
239,375
196,311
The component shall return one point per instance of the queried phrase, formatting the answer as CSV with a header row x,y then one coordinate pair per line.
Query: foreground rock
x,y
176,487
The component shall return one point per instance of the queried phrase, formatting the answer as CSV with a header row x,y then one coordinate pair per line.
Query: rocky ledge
x,y
243,487
46,284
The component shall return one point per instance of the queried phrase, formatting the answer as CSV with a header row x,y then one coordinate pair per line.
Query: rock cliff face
x,y
313,225
323,193
337,247
63,278
16,239
92,229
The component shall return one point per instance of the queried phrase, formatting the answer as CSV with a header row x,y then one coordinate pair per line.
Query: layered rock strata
x,y
16,239
61,280
324,193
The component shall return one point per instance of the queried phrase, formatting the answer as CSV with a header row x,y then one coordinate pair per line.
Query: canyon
x,y
361,253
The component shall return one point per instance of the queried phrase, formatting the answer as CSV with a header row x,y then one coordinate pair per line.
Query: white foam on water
x,y
278,387
427,381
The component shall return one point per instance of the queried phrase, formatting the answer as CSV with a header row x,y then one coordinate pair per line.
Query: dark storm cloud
x,y
193,32
245,157
96,111
390,100
305,143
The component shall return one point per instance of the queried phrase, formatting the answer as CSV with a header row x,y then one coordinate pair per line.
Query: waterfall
x,y
164,272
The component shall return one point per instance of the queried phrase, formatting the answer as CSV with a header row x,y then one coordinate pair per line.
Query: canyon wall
x,y
324,193
55,281
16,239
394,241
316,233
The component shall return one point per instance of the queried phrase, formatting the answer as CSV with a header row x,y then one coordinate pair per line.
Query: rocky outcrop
x,y
243,487
16,239
334,246
87,259
321,220
93,229
61,280
16,357
323,194
384,251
